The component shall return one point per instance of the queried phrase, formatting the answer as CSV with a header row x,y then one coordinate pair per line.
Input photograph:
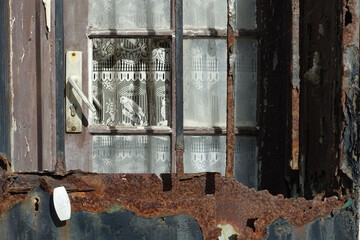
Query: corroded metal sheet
x,y
209,198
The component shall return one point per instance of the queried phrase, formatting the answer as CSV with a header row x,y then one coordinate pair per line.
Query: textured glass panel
x,y
246,82
131,154
205,14
204,82
125,14
131,81
246,14
205,154
246,167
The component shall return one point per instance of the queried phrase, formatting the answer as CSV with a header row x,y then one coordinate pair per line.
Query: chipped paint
x,y
47,5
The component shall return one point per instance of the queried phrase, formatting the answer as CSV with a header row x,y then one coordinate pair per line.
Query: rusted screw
x,y
73,128
73,54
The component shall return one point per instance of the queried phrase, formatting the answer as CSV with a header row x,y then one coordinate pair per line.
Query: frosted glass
x,y
131,154
205,82
246,14
246,167
125,14
131,81
246,82
205,14
205,154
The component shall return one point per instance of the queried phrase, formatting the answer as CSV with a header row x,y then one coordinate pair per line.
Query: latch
x,y
74,94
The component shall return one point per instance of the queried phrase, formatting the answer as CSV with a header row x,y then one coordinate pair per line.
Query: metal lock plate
x,y
73,99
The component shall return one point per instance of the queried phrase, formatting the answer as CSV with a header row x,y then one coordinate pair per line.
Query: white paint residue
x,y
227,231
47,4
27,146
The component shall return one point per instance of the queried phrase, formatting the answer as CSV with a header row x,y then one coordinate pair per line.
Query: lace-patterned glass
x,y
245,14
125,14
246,167
205,154
246,82
131,81
205,14
208,154
205,82
131,154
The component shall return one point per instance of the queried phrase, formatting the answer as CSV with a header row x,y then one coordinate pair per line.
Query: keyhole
x,y
73,109
37,204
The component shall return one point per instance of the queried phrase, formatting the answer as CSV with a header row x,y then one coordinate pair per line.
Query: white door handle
x,y
72,81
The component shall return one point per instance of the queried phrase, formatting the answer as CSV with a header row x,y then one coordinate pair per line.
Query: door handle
x,y
72,80
74,93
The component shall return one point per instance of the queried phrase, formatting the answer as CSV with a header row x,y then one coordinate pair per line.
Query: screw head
x,y
73,128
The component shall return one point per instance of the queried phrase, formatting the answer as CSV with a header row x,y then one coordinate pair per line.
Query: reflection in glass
x,y
245,82
131,154
205,82
125,14
245,14
131,81
246,167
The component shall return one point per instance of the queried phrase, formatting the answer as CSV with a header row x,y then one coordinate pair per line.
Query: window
x,y
133,84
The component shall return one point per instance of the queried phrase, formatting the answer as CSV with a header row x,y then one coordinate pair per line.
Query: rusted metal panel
x,y
230,113
32,87
209,198
78,147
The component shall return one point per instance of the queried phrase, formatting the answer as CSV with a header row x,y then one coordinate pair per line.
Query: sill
x,y
98,129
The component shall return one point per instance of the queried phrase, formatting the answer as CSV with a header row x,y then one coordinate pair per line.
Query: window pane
x,y
125,14
205,82
205,154
205,14
246,82
131,154
246,14
131,81
246,167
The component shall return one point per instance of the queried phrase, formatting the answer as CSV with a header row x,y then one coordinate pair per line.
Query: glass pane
x,y
125,14
131,81
205,82
246,167
131,154
246,82
246,14
205,14
205,154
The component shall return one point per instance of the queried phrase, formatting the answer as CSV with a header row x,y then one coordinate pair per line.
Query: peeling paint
x,y
275,61
47,5
313,74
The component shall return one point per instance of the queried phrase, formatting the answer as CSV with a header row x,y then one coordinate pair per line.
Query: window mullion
x,y
179,126
230,115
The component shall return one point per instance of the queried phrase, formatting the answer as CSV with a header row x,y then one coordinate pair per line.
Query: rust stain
x,y
230,120
295,93
230,203
294,164
179,162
